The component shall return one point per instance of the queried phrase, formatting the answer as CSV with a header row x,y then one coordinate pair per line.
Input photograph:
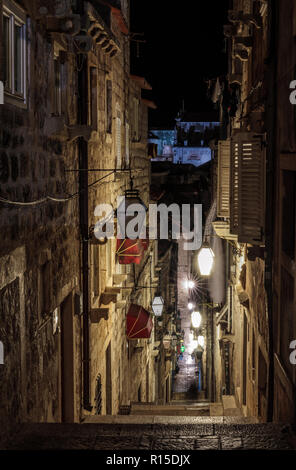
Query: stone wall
x,y
32,167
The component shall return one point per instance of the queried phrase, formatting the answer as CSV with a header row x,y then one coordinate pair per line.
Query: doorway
x,y
67,361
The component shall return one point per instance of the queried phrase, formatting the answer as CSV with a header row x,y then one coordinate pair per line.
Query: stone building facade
x,y
256,212
73,135
243,323
282,206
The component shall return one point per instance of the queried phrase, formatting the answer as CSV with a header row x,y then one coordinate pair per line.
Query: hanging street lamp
x,y
157,305
131,203
196,319
205,259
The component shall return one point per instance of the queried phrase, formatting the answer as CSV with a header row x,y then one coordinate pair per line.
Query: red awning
x,y
145,243
139,323
129,251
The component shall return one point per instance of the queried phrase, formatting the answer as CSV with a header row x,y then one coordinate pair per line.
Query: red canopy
x,y
139,323
129,251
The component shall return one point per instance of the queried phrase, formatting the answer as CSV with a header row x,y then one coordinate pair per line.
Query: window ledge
x,y
14,100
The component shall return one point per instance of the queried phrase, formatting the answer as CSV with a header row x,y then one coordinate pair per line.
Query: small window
x,y
109,106
127,143
118,140
93,93
136,120
57,102
14,39
96,270
109,258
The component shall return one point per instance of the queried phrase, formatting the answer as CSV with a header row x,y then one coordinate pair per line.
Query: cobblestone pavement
x,y
207,434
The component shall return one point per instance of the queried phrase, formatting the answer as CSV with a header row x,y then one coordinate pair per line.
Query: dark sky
x,y
184,46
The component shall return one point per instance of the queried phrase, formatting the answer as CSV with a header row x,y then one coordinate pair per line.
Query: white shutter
x,y
223,192
248,187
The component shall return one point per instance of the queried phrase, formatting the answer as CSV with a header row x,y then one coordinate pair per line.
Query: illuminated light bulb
x,y
190,306
196,319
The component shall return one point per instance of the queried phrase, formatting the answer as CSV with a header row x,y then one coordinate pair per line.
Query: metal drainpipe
x,y
82,111
271,120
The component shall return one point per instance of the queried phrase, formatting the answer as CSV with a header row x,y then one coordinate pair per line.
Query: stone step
x,y
229,406
166,419
127,433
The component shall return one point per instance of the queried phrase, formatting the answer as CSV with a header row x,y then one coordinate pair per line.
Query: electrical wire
x,y
50,198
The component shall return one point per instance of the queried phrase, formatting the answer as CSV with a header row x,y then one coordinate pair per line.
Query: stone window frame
x,y
16,17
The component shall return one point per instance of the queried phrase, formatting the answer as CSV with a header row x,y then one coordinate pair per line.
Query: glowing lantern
x,y
157,305
205,261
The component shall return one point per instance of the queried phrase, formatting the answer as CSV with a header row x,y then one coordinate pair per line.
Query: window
x,y
96,270
109,106
14,38
93,92
136,136
118,139
109,258
127,143
57,102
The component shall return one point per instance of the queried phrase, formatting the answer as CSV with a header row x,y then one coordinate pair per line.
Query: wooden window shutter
x,y
248,187
223,193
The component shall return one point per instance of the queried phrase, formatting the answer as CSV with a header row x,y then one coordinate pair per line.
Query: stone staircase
x,y
155,433
182,425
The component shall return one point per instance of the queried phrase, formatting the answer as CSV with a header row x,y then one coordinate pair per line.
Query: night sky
x,y
185,45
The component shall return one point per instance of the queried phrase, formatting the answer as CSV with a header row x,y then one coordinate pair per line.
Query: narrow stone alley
x,y
148,225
